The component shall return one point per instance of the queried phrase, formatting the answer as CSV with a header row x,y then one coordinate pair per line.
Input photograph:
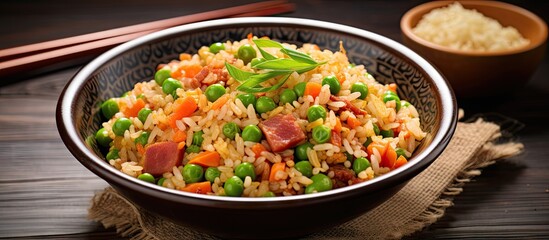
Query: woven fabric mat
x,y
420,203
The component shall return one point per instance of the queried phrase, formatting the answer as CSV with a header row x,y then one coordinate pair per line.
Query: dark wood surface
x,y
45,192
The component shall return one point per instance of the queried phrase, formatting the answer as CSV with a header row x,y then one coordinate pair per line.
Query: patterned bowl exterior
x,y
116,73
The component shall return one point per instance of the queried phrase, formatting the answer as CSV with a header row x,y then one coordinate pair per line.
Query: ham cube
x,y
161,157
282,132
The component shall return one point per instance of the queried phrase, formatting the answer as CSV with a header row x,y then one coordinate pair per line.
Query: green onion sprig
x,y
250,82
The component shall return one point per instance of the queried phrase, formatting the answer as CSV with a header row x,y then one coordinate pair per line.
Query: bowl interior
x,y
528,24
117,71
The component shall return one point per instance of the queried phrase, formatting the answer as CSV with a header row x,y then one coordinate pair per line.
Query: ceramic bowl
x,y
117,70
474,73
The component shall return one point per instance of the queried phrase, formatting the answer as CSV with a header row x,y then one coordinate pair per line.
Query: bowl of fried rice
x,y
238,126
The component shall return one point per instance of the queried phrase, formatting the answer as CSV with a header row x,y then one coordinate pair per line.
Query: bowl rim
x,y
76,145
406,27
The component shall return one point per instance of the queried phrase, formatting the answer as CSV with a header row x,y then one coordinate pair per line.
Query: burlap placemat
x,y
420,203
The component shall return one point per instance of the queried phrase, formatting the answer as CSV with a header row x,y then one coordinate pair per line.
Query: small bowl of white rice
x,y
483,48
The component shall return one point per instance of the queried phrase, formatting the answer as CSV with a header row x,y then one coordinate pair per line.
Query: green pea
x,y
391,96
334,84
147,177
351,65
256,61
120,126
376,129
143,114
214,91
320,183
161,75
264,104
269,194
140,96
360,164
170,86
230,130
361,88
300,89
197,138
246,53
193,149
143,139
245,169
301,151
368,141
315,112
234,187
192,173
102,137
109,108
305,168
112,154
287,96
252,133
212,173
400,152
322,134
160,181
247,99
216,47
387,133
125,94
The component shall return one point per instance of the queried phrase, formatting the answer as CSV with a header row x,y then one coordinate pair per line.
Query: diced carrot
x,y
341,77
133,110
258,148
220,102
274,169
335,139
181,146
199,187
183,107
389,158
179,136
191,70
353,122
206,159
393,87
337,127
312,89
184,56
140,149
163,126
380,148
250,37
401,160
177,74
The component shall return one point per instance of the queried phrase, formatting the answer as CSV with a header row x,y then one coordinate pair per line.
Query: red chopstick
x,y
53,54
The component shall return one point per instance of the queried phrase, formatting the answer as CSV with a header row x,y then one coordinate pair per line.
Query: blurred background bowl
x,y
116,71
475,73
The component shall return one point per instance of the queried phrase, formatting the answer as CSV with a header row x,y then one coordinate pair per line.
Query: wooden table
x,y
45,192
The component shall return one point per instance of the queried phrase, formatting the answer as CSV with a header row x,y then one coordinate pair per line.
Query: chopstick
x,y
53,53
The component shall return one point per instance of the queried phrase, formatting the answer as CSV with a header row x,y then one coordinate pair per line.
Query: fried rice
x,y
383,131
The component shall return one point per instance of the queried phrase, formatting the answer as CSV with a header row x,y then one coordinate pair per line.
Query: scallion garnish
x,y
274,67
